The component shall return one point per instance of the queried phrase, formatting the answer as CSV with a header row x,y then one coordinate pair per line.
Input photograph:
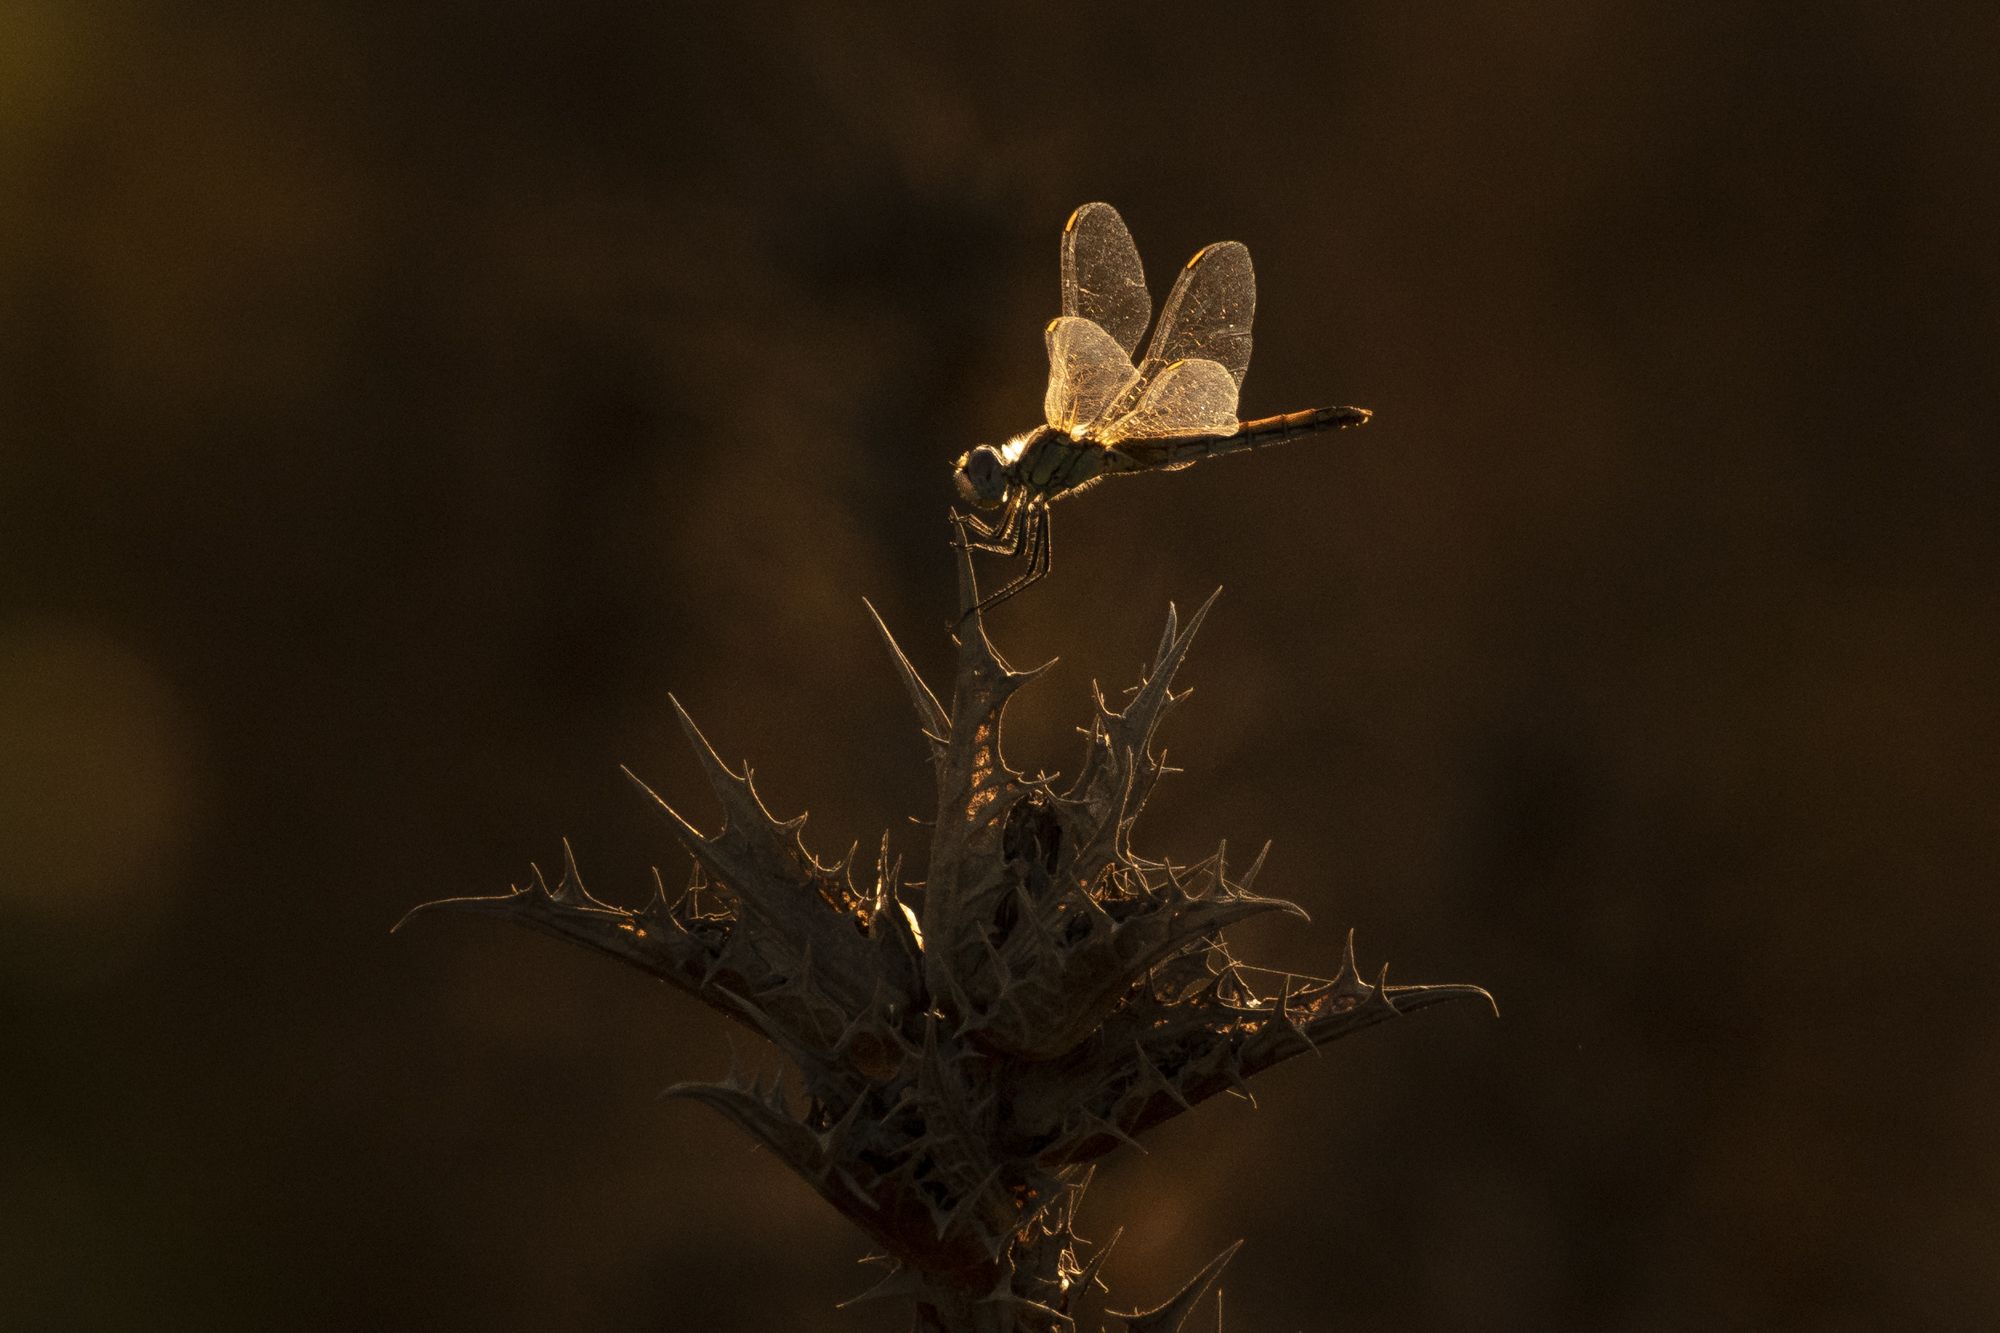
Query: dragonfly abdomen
x,y
1182,451
1271,430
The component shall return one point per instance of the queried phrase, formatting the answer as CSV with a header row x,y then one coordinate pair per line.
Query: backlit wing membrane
x,y
1102,279
1207,317
1187,398
1088,372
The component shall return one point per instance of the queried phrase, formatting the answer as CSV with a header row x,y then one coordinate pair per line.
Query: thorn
x,y
1061,1321
569,891
658,912
1232,1069
900,1282
500,902
1285,1012
994,1245
708,973
718,773
1153,1075
690,836
845,1177
859,1023
1088,1277
885,876
1348,981
1250,875
1382,992
931,717
1095,1123
792,825
1172,1317
960,1000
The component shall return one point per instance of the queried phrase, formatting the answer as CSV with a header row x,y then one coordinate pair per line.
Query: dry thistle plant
x,y
963,1049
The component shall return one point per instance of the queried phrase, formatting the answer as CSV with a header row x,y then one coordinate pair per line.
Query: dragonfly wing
x,y
1102,279
1088,372
1207,316
1187,398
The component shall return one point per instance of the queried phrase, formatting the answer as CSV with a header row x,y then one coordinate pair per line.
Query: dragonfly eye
x,y
981,477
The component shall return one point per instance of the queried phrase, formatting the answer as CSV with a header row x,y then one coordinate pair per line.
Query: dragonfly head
x,y
981,477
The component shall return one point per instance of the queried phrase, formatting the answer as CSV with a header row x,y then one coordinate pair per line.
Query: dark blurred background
x,y
396,402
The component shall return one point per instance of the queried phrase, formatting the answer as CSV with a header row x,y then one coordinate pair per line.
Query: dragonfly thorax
x,y
1038,465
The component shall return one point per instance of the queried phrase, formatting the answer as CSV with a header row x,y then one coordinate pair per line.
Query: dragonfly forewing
x,y
1102,279
1207,317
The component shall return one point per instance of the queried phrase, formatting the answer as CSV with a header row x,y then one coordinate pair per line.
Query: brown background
x,y
398,404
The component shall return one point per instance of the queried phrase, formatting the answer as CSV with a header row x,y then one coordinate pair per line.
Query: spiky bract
x,y
965,1048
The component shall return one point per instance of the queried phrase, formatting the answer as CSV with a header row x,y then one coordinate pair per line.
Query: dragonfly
x,y
1106,414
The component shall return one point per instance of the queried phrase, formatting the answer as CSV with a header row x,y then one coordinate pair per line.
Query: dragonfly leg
x,y
1037,535
1002,538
